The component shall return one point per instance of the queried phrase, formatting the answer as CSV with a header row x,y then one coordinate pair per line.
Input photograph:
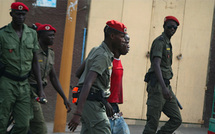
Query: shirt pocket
x,y
29,47
168,55
9,51
28,51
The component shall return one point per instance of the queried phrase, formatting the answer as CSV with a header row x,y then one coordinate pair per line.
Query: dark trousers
x,y
157,104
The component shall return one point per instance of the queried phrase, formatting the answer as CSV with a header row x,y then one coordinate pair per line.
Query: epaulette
x,y
3,27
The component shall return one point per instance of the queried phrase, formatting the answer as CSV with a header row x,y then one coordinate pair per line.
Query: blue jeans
x,y
119,126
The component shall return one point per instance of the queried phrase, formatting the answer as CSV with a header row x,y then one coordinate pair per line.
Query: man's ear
x,y
112,35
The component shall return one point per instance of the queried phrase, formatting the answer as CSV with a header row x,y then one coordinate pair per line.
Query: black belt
x,y
150,76
14,77
92,96
97,97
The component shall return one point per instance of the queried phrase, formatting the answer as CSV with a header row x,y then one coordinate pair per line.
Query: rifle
x,y
179,104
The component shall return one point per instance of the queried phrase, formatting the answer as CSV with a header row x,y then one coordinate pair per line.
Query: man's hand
x,y
41,100
166,94
89,80
109,109
74,122
42,94
67,105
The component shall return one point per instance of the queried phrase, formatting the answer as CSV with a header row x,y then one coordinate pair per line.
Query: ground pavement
x,y
137,126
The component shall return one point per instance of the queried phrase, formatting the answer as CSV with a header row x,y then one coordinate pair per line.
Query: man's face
x,y
47,37
18,17
125,46
170,28
118,40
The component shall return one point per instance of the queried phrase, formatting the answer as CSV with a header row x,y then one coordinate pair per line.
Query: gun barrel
x,y
179,104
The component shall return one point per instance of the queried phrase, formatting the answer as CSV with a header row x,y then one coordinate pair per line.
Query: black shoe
x,y
158,132
29,132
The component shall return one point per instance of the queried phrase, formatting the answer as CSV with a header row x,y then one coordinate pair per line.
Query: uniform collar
x,y
13,34
42,52
166,38
110,54
10,28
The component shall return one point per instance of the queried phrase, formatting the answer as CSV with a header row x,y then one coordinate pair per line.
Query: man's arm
x,y
89,80
80,70
36,71
57,86
156,65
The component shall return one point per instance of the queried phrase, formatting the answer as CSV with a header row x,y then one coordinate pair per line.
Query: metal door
x,y
144,19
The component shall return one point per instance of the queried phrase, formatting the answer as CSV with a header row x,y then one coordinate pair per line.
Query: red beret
x,y
171,18
19,6
37,24
117,26
46,27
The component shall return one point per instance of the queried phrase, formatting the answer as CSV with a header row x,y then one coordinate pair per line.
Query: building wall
x,y
56,17
144,20
4,12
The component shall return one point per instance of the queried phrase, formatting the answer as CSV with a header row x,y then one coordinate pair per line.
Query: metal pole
x,y
66,65
83,45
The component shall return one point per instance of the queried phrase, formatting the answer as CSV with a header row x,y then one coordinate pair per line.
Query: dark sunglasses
x,y
172,26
